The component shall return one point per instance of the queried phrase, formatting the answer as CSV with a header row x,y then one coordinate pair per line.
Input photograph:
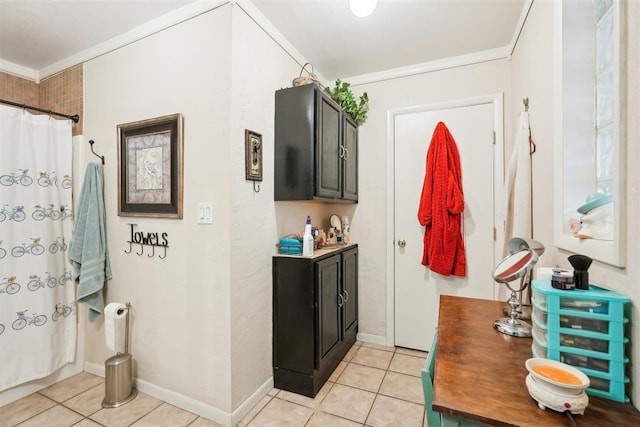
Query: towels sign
x,y
153,240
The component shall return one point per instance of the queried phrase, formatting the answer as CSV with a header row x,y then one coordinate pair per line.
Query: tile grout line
x,y
147,413
63,403
70,397
261,409
380,386
376,393
41,412
85,416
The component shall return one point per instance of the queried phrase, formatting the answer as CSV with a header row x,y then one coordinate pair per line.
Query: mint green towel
x,y
88,251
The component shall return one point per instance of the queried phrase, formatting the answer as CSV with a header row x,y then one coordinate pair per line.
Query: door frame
x,y
496,100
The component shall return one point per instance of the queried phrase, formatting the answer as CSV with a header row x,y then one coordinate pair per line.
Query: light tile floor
x,y
373,386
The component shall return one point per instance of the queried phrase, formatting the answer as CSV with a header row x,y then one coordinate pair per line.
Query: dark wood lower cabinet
x,y
315,317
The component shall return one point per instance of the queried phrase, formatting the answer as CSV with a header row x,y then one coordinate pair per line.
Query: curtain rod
x,y
75,117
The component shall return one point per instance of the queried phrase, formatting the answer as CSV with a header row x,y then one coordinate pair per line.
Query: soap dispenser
x,y
307,239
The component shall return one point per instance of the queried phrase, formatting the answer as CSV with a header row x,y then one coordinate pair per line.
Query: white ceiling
x,y
397,34
41,37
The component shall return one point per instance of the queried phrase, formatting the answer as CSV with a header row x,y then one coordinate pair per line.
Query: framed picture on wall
x,y
150,167
252,155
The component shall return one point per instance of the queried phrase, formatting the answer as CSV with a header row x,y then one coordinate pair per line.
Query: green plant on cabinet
x,y
342,94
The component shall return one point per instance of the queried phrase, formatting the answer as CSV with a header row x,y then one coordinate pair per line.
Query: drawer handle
x,y
346,295
340,300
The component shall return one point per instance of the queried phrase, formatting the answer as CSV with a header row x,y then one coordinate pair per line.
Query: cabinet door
x,y
294,143
350,288
328,164
294,319
328,279
350,153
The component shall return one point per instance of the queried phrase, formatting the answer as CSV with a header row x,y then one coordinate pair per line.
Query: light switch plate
x,y
205,213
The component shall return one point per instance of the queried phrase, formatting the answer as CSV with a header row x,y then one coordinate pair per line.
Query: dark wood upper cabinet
x,y
316,147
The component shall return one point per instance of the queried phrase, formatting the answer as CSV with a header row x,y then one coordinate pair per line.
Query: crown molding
x,y
19,71
163,22
254,13
199,7
156,25
431,66
452,62
520,25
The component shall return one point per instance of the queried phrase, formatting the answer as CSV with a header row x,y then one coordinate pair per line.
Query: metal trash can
x,y
118,381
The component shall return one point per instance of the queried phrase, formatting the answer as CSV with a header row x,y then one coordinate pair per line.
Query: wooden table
x,y
480,373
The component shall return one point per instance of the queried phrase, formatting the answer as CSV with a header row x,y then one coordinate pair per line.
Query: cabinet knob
x,y
402,243
340,300
346,295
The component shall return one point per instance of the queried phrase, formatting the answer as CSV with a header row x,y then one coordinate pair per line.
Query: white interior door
x,y
417,289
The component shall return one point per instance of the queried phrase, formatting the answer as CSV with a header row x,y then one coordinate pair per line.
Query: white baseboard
x,y
189,404
251,401
94,369
372,339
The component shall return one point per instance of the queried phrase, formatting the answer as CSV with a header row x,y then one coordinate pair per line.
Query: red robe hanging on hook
x,y
442,205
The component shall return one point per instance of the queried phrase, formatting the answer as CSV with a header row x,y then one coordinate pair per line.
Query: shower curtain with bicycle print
x,y
38,327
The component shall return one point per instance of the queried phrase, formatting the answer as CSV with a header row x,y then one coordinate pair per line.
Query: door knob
x,y
402,243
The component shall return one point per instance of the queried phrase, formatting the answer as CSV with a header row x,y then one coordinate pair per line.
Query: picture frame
x,y
150,167
252,155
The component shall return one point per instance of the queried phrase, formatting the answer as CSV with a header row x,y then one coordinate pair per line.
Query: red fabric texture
x,y
442,205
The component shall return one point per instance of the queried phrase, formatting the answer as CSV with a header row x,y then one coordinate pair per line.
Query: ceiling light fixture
x,y
362,8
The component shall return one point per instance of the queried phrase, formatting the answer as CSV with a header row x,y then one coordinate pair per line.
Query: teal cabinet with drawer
x,y
586,329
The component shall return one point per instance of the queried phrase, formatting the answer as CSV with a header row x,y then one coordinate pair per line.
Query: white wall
x,y
258,68
180,329
532,77
201,332
532,71
371,220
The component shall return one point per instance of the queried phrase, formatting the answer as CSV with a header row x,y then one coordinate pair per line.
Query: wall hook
x,y
254,187
165,253
525,101
91,142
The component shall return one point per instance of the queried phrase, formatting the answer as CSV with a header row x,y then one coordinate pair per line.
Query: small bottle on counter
x,y
323,239
316,237
332,235
307,239
345,229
